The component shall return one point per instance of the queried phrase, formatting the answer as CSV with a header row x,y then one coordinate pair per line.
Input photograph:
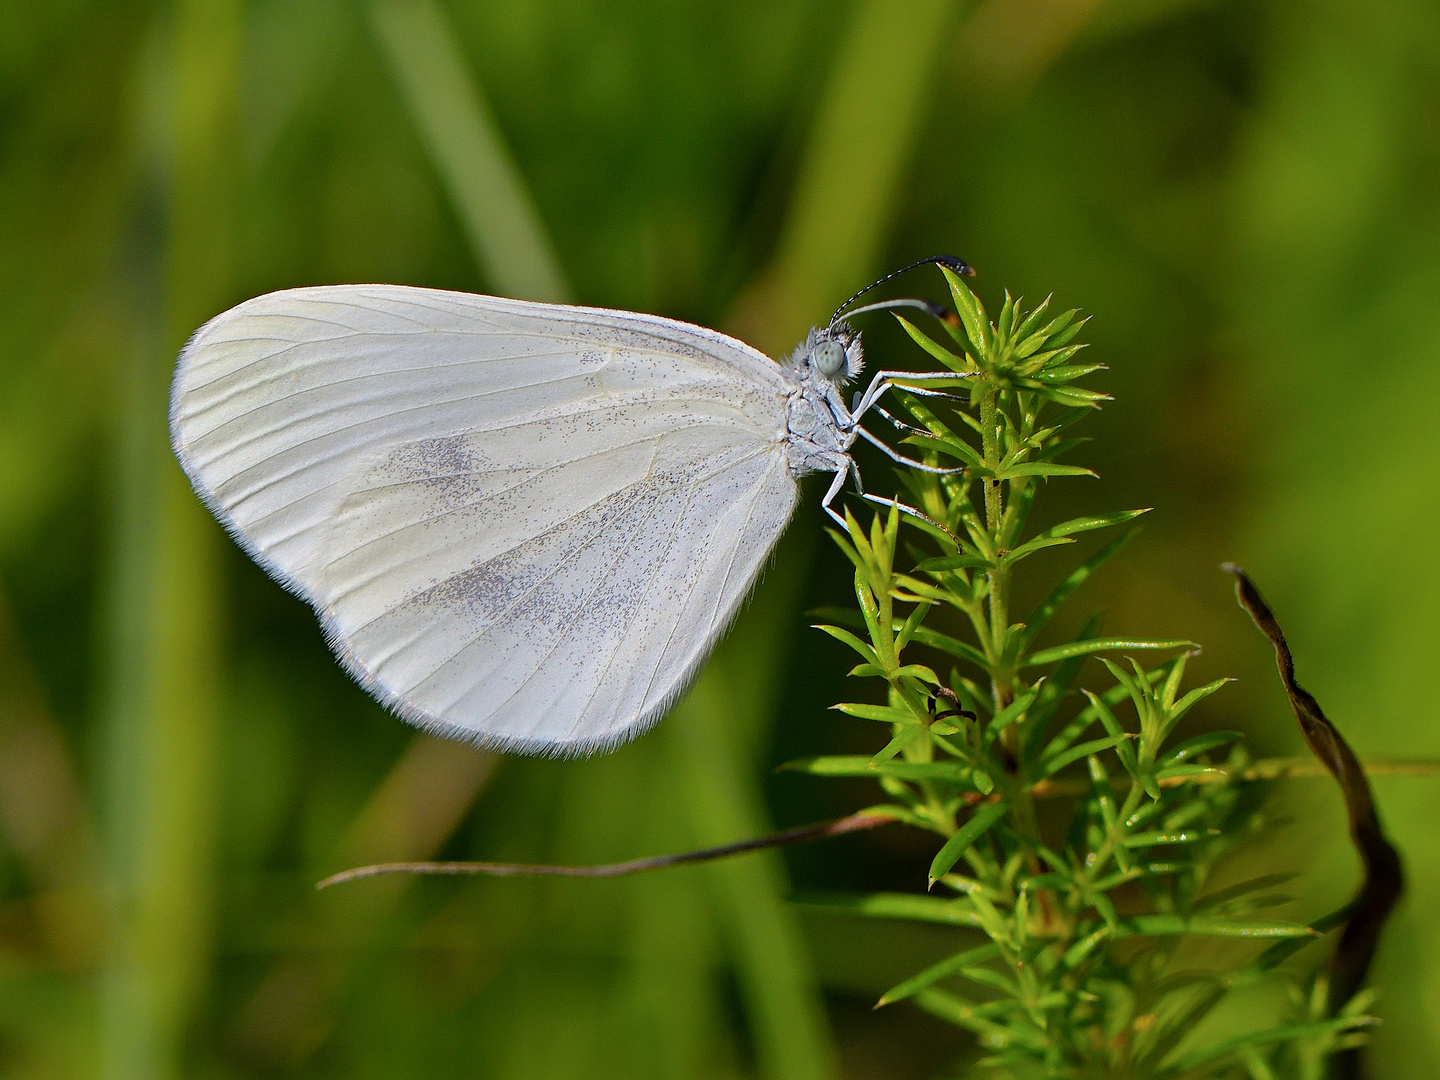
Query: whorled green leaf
x,y
954,562
840,634
907,631
934,348
977,1018
1123,750
1241,889
970,309
1189,701
1037,468
1025,332
1011,713
952,772
1089,524
887,714
979,823
913,907
1152,839
1166,925
1072,396
1043,364
1200,744
1284,1033
935,972
1006,322
1065,334
903,738
1077,577
1084,648
1051,765
936,640
1030,547
1067,372
1042,337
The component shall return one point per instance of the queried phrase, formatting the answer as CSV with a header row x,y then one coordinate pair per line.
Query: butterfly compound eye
x,y
829,358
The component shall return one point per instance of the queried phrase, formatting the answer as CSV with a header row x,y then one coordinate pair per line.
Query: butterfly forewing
x,y
523,524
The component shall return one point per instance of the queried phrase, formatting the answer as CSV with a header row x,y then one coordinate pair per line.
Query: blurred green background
x,y
1245,195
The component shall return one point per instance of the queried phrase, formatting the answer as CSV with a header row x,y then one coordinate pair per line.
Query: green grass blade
x,y
763,938
856,155
163,649
464,143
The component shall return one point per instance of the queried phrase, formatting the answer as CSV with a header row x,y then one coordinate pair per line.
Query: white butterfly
x,y
521,525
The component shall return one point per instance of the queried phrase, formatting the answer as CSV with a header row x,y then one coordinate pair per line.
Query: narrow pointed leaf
x,y
1030,322
1166,925
1012,712
1041,615
1050,766
858,765
934,348
907,631
907,735
1082,648
1042,468
854,642
966,835
914,907
970,310
954,562
1031,546
1243,888
1123,750
936,640
1266,1037
886,714
1200,744
933,974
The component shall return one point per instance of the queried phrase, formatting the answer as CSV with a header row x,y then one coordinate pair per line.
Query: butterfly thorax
x,y
819,427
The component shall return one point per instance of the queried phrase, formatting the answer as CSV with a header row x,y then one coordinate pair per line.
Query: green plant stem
x,y
1002,681
165,650
1002,678
463,139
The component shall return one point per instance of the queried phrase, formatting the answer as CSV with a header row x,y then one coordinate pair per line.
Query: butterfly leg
x,y
906,508
895,455
844,466
884,380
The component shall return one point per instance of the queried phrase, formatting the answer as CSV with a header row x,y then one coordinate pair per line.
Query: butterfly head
x,y
833,354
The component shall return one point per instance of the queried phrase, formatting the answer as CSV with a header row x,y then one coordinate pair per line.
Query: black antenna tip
x,y
959,266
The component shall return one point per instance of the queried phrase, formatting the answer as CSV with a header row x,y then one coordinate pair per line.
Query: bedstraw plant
x,y
1079,833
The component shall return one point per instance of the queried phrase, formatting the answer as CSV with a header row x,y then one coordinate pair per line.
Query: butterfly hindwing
x,y
542,604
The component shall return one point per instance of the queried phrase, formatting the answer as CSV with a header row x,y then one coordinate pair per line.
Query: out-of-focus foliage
x,y
1245,195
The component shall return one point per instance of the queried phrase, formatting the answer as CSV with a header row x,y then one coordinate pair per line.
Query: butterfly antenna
x,y
950,262
939,311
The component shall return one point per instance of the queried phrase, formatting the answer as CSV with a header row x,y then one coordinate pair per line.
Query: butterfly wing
x,y
520,524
